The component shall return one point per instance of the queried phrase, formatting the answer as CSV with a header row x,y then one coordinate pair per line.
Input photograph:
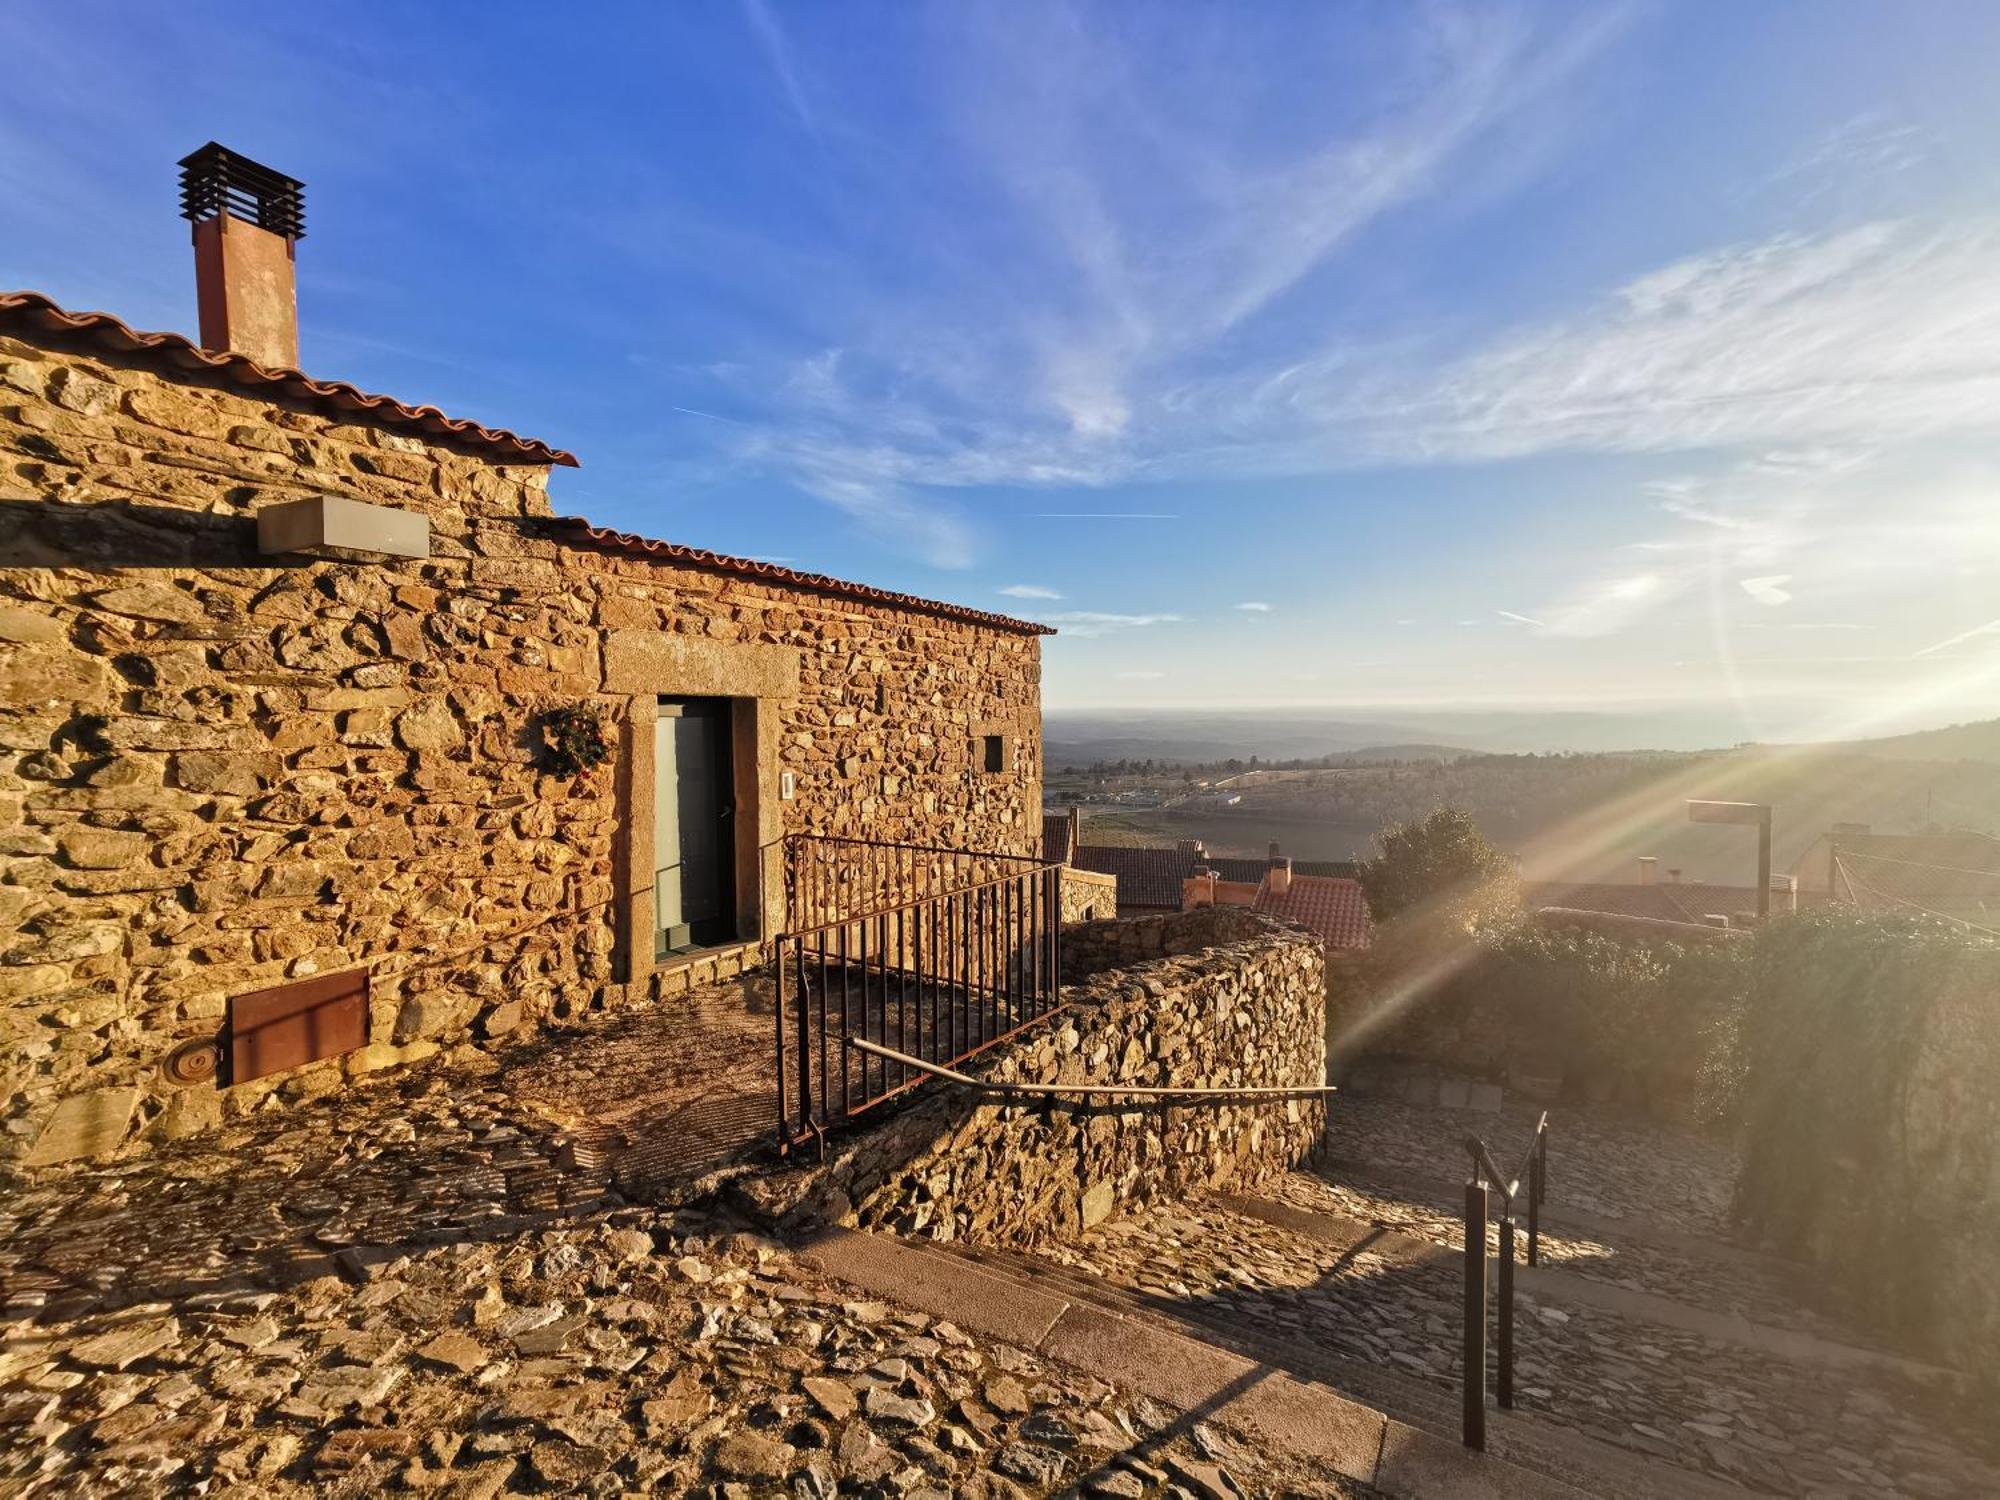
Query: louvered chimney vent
x,y
246,218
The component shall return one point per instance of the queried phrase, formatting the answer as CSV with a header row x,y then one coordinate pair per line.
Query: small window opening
x,y
995,749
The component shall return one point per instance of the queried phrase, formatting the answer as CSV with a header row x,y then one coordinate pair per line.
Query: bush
x,y
1443,860
1867,1064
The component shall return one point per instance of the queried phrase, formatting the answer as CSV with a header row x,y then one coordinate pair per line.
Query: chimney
x,y
1278,878
1673,877
1276,854
1198,890
1649,869
246,218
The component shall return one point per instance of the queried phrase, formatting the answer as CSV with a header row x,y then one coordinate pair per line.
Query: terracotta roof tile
x,y
1146,877
577,530
34,315
1336,909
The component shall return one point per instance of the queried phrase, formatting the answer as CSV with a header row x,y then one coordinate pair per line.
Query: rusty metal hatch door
x,y
271,1031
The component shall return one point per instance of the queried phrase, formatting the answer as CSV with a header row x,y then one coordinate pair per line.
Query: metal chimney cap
x,y
217,181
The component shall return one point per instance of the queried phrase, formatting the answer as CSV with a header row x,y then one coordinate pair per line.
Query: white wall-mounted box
x,y
329,525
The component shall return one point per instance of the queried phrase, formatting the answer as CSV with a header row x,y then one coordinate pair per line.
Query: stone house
x,y
285,674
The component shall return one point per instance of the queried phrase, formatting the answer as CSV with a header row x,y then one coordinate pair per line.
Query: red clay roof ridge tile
x,y
40,314
577,529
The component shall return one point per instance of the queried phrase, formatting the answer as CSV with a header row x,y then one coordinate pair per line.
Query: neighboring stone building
x,y
280,667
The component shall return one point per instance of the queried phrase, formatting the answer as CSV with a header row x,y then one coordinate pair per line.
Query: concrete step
x,y
1393,1433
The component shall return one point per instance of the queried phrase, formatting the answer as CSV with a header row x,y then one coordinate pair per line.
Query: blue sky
x,y
1324,354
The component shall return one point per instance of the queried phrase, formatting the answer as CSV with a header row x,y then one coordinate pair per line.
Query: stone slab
x,y
1276,1412
92,1123
935,1284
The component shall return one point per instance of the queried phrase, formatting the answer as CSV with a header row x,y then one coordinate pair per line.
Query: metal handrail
x,y
1137,1091
839,838
1035,866
1487,1179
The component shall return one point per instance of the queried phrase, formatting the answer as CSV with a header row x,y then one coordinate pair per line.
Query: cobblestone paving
x,y
646,1352
1761,1294
432,1283
1609,1164
1721,1409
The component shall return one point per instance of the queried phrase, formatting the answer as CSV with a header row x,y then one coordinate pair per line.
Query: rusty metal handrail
x,y
1486,1180
902,907
1135,1091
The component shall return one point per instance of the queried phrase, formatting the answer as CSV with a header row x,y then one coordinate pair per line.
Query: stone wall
x,y
1087,896
1214,998
221,771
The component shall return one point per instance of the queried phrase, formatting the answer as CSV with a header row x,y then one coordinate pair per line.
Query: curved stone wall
x,y
1214,998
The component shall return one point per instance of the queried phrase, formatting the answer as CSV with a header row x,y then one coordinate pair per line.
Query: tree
x,y
1445,859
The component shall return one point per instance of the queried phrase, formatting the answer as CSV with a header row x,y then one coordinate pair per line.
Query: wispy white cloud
x,y
778,52
1508,614
1991,627
1769,589
1088,622
1255,607
1028,591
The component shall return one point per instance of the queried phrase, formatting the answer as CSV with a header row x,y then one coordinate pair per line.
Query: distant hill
x,y
1978,741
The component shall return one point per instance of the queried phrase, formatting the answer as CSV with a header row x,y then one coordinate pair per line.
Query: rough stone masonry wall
x,y
220,771
1087,895
1216,998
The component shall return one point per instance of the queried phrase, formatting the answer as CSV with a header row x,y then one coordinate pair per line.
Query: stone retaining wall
x,y
1227,998
1088,896
220,771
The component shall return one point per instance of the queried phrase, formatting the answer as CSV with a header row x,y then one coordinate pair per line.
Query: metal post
x,y
1535,1208
1475,1314
1505,1383
1764,866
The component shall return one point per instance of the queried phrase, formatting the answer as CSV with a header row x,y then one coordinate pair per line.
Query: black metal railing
x,y
930,953
830,879
1488,1181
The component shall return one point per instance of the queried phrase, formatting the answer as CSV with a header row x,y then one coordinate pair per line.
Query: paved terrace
x,y
435,1282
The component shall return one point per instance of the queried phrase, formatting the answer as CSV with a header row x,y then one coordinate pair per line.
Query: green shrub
x,y
1867,1062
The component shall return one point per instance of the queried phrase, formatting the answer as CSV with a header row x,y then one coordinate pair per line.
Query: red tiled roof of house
x,y
1334,908
37,317
1233,867
577,530
1886,881
1146,877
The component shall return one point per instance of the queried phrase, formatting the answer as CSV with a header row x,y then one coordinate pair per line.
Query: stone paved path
x,y
1721,1408
456,1148
643,1351
434,1283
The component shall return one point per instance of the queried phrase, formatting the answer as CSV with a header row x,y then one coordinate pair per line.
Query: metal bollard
x,y
1505,1392
1535,1208
1475,1314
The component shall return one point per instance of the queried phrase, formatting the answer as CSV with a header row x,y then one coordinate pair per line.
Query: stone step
x,y
1385,1431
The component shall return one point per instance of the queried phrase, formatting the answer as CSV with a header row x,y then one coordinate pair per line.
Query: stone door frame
x,y
759,681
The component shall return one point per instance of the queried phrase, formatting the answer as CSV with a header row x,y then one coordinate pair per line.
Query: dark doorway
x,y
694,824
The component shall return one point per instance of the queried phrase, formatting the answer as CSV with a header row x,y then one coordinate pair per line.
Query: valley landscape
x,y
1571,814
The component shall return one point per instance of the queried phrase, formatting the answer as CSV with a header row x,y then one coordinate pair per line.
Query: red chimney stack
x,y
247,219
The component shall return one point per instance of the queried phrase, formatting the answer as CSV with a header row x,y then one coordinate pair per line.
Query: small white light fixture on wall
x,y
788,785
